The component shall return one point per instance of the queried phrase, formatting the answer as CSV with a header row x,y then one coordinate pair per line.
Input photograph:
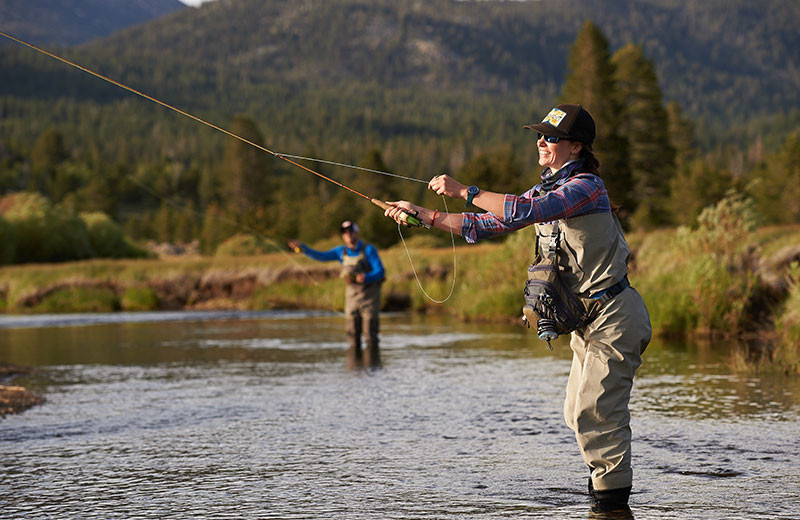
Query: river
x,y
256,415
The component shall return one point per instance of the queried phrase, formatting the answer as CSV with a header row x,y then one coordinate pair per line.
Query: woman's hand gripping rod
x,y
408,219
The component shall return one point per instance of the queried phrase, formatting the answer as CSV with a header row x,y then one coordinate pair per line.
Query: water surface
x,y
255,415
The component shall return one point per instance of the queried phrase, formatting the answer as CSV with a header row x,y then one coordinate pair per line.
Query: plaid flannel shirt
x,y
575,194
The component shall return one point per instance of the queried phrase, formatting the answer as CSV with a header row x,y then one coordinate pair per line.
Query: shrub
x,y
702,280
44,233
106,238
8,242
139,299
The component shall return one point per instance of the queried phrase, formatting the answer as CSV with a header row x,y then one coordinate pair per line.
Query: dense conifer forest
x,y
693,99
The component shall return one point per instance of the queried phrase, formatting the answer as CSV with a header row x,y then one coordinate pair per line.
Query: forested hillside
x,y
730,58
417,88
71,22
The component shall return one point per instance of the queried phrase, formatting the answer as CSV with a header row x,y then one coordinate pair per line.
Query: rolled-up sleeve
x,y
479,226
578,195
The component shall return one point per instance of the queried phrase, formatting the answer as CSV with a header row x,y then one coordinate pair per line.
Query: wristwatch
x,y
471,192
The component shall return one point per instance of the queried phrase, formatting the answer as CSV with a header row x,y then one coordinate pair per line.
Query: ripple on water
x,y
461,423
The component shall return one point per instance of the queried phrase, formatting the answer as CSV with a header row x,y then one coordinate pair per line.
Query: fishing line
x,y
352,167
419,283
408,219
186,114
399,227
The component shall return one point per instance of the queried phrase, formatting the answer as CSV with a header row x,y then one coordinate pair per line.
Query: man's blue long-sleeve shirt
x,y
375,270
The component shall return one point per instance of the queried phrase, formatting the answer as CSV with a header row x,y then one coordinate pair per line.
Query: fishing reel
x,y
546,328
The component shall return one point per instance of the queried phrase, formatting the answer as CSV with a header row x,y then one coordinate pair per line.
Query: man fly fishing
x,y
363,272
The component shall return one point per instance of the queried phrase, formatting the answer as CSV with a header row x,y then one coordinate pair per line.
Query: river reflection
x,y
254,415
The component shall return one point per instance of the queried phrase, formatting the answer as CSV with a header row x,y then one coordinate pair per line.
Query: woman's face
x,y
556,155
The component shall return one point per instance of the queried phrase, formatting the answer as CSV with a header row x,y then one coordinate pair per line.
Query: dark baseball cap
x,y
349,226
571,122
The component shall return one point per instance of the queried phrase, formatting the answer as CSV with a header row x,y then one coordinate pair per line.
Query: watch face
x,y
473,190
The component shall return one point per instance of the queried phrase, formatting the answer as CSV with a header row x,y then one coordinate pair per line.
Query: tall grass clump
x,y
78,299
787,352
702,280
491,284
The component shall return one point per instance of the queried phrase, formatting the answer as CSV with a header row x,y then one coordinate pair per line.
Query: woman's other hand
x,y
446,185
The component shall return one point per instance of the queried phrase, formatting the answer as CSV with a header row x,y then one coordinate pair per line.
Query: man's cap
x,y
348,225
571,122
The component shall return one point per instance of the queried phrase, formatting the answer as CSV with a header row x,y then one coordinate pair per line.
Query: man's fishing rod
x,y
409,220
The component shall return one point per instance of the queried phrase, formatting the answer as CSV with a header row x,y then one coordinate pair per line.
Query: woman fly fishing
x,y
578,232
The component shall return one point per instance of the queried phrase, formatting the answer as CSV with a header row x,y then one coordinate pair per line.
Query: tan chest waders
x,y
362,310
352,265
550,302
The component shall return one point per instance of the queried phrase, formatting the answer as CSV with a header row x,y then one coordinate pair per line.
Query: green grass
x,y
139,299
78,299
690,288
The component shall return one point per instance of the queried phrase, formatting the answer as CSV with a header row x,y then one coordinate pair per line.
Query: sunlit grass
x,y
688,290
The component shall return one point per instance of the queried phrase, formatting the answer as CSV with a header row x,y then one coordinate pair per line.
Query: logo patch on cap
x,y
554,117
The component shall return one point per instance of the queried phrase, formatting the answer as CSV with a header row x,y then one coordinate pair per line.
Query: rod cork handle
x,y
408,220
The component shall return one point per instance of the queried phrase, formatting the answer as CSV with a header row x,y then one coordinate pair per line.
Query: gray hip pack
x,y
551,304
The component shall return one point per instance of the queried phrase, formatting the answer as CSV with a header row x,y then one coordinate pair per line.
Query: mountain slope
x,y
723,60
70,22
710,53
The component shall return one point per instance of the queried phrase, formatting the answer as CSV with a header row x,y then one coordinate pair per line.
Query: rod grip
x,y
409,220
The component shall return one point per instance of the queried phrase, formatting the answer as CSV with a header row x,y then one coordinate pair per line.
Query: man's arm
x,y
323,256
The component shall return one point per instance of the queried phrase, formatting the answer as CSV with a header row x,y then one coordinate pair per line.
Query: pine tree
x,y
590,82
681,135
651,158
375,227
246,168
776,184
497,170
48,154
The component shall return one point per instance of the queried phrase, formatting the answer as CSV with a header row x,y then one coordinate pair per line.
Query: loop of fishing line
x,y
286,157
410,261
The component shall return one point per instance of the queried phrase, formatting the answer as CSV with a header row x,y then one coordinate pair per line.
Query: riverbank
x,y
695,283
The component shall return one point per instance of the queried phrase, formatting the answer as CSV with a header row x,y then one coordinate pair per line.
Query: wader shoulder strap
x,y
552,246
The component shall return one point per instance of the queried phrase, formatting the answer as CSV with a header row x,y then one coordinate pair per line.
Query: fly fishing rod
x,y
408,219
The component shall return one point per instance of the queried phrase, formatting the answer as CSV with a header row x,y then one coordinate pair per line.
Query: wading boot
x,y
355,357
611,501
372,358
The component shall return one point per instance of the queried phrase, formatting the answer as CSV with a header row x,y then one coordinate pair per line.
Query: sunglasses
x,y
347,230
549,138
